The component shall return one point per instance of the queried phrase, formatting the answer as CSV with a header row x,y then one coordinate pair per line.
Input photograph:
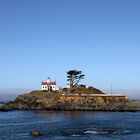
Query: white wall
x,y
45,87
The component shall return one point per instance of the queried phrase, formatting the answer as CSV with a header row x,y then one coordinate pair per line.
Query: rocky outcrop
x,y
35,133
57,101
104,103
33,100
133,105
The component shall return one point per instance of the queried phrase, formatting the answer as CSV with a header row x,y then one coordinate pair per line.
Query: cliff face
x,y
52,101
93,102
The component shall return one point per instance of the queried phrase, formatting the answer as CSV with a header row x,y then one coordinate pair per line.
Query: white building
x,y
49,85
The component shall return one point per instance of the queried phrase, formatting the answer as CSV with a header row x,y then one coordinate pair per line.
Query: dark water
x,y
17,125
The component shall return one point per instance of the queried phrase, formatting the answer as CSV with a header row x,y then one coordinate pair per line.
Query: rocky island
x,y
74,97
78,99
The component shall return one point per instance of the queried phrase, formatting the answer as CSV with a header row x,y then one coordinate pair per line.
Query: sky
x,y
41,38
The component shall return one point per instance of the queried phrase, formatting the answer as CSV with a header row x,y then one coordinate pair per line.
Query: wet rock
x,y
112,131
35,133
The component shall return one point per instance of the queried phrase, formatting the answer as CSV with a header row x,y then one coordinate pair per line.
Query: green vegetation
x,y
74,77
74,90
83,90
46,93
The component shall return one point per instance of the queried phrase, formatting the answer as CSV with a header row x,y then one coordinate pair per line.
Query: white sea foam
x,y
107,132
95,132
75,135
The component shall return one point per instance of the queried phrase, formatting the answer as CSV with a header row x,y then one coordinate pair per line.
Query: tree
x,y
74,77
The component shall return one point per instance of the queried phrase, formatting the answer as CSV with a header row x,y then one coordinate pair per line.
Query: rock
x,y
112,131
35,133
38,100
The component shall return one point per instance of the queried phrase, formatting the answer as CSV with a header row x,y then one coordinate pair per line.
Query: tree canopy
x,y
74,77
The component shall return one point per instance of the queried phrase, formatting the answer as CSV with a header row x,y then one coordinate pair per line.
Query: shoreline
x,y
1,110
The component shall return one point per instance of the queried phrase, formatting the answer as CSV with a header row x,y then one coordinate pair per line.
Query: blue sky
x,y
41,38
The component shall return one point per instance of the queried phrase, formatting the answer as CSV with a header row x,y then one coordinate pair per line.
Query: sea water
x,y
70,125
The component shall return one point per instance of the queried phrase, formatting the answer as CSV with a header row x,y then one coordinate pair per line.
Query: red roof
x,y
49,84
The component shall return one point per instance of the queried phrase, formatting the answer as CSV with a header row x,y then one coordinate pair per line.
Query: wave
x,y
95,132
75,135
109,131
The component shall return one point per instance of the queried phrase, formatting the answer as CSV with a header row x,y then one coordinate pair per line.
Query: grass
x,y
75,90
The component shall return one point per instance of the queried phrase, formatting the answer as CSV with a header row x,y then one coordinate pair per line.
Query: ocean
x,y
70,125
